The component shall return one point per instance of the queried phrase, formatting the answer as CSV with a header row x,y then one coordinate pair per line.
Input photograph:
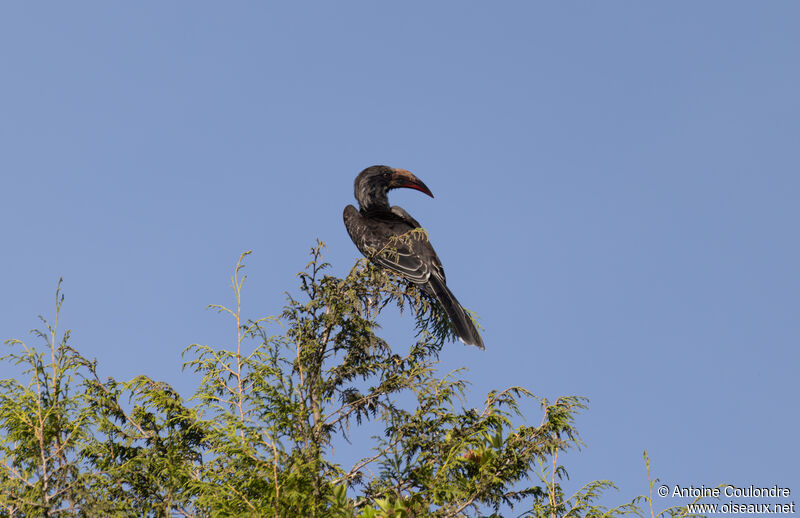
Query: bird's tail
x,y
462,324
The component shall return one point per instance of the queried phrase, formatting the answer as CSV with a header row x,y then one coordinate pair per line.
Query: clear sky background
x,y
616,191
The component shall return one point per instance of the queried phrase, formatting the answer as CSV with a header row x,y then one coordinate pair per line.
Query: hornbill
x,y
376,227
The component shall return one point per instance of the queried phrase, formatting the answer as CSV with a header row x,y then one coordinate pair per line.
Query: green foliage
x,y
256,438
45,423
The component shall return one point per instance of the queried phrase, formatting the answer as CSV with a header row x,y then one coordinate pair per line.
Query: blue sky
x,y
616,195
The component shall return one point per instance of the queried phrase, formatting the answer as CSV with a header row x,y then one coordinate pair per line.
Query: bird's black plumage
x,y
375,227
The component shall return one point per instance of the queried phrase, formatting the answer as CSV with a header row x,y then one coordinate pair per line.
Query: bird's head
x,y
374,182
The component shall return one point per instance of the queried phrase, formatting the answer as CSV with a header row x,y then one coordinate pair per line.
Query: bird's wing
x,y
382,238
435,262
379,235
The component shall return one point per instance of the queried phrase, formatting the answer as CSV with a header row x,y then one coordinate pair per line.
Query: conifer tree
x,y
256,438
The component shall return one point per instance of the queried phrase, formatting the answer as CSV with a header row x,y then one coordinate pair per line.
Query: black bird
x,y
375,227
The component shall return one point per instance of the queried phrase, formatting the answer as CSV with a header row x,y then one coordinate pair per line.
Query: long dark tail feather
x,y
462,324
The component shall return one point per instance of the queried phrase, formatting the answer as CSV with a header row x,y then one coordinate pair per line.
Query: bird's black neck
x,y
376,208
373,198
